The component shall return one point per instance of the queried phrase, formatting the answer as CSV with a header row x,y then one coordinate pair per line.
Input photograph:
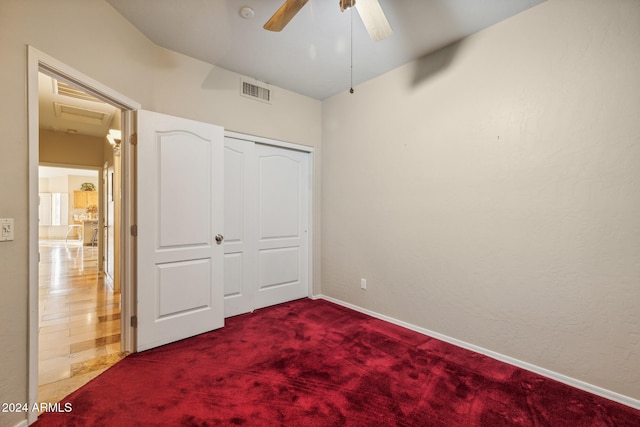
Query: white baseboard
x,y
590,388
23,423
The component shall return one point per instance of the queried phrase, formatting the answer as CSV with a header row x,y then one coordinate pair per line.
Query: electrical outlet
x,y
363,283
6,229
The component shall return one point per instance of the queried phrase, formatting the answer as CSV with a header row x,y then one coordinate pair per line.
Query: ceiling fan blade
x,y
283,15
374,19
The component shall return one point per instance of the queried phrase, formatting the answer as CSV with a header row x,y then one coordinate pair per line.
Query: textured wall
x,y
90,36
490,191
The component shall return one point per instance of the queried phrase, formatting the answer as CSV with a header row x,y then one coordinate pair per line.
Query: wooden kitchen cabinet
x,y
82,199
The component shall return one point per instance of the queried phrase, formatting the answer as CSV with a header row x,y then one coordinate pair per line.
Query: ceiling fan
x,y
370,11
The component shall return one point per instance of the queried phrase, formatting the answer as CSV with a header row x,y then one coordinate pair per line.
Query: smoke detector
x,y
246,12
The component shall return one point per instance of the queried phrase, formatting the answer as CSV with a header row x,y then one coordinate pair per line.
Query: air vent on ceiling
x,y
255,91
61,88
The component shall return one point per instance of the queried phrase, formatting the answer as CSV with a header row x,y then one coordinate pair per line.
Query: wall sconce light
x,y
115,137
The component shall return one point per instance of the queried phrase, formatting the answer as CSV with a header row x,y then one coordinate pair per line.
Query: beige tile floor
x,y
79,334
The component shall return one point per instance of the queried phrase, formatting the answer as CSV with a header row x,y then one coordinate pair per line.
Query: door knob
x,y
219,238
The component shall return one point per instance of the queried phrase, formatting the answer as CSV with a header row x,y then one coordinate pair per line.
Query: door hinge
x,y
134,139
134,321
134,230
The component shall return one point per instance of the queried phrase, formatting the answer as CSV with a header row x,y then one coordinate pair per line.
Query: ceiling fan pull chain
x,y
351,40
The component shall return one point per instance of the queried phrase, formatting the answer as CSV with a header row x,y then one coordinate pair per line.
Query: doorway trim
x,y
38,61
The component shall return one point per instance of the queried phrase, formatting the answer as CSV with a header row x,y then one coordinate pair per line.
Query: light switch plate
x,y
6,229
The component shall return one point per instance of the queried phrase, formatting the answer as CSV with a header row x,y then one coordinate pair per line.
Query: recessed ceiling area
x,y
64,108
312,54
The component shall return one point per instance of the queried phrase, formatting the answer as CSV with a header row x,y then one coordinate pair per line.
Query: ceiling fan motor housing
x,y
346,4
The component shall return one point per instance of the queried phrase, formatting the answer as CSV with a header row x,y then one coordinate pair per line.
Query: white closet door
x,y
283,217
239,227
266,224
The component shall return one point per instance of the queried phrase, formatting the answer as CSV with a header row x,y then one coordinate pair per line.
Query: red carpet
x,y
314,363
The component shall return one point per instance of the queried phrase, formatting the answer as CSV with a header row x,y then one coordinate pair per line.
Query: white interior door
x,y
240,226
267,224
180,212
283,219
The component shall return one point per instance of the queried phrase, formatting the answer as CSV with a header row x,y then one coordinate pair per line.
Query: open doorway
x,y
78,241
79,306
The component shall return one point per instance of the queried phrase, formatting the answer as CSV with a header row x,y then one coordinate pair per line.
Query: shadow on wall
x,y
220,79
430,65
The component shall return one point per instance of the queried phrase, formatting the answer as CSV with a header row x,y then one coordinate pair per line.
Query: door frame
x,y
38,61
310,152
109,171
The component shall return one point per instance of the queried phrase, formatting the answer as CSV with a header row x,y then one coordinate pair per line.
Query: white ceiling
x,y
311,56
